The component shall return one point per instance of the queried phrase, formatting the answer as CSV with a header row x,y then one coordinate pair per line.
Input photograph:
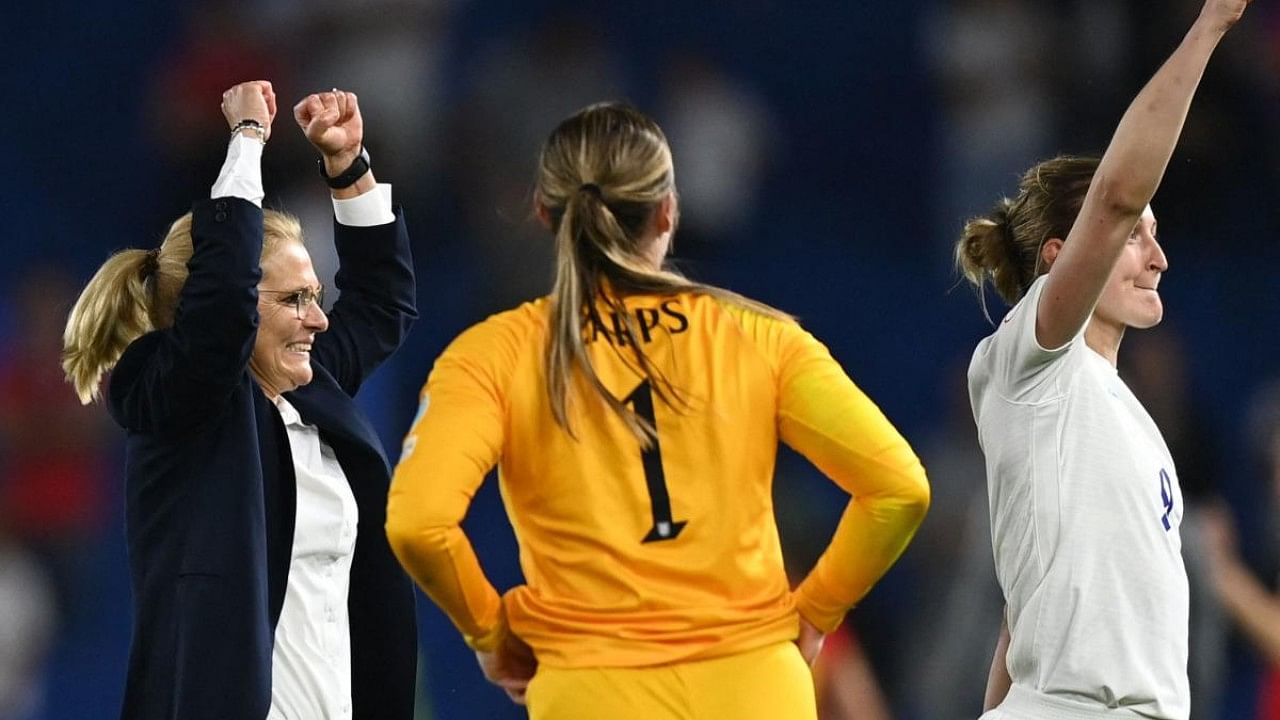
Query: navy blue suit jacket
x,y
210,487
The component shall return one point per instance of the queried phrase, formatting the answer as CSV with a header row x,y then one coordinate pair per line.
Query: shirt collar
x,y
288,413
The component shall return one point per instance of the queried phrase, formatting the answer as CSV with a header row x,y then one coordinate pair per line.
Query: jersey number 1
x,y
664,527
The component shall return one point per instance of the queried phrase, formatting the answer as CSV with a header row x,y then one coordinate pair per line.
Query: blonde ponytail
x,y
603,173
137,291
134,292
111,313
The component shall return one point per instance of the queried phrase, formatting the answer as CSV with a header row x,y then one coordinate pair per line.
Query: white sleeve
x,y
241,174
366,210
1023,367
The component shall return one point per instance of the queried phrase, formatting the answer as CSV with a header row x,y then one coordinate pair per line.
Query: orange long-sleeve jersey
x,y
636,557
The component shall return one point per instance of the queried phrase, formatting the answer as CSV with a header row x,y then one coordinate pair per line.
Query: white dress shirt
x,y
241,174
311,660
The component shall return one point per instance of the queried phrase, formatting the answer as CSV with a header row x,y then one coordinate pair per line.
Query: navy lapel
x,y
322,403
279,495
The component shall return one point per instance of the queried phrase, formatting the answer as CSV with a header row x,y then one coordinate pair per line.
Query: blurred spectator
x,y
26,630
952,638
215,49
1154,366
519,87
1252,606
845,681
1227,134
1093,81
53,482
721,131
392,54
991,61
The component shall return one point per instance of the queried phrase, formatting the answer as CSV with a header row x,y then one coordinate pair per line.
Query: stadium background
x,y
827,154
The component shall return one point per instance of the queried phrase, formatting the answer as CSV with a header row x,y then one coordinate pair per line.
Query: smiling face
x,y
281,358
1130,298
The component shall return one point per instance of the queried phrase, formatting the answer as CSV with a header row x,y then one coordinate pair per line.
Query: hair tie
x,y
1004,222
151,263
592,189
1010,239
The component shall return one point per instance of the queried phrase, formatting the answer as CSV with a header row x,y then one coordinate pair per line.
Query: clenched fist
x,y
332,123
253,100
1222,14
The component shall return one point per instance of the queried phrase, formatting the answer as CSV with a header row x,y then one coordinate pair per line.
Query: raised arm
x,y
332,123
206,340
1253,608
1126,179
377,304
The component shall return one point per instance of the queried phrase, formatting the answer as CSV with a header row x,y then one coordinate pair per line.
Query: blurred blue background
x,y
827,155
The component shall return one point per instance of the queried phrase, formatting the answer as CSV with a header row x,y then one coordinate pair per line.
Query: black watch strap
x,y
347,177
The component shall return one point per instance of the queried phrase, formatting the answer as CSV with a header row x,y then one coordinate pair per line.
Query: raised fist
x,y
332,123
253,100
1222,14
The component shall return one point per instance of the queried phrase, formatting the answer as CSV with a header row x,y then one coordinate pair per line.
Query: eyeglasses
x,y
301,299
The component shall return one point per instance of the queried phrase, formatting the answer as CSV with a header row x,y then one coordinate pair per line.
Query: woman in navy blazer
x,y
235,389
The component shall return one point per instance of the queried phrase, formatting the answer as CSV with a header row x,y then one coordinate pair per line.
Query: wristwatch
x,y
347,177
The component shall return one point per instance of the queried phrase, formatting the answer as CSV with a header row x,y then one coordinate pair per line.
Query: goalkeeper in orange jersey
x,y
634,416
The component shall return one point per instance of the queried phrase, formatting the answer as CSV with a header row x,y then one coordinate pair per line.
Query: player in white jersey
x,y
1084,497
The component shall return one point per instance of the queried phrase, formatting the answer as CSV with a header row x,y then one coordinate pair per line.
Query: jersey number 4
x,y
664,527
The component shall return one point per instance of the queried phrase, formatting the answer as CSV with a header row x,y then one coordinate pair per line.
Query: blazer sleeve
x,y
377,305
179,377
